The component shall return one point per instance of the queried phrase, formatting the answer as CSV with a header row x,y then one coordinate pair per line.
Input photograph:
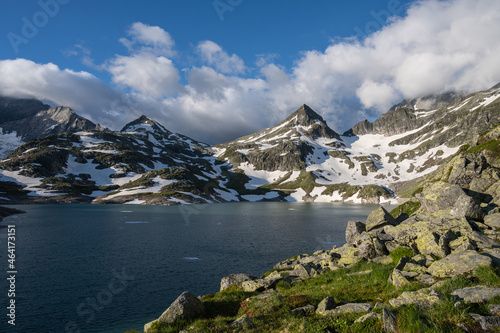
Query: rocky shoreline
x,y
6,211
443,234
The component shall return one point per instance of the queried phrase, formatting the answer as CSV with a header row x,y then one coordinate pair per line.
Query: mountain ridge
x,y
299,159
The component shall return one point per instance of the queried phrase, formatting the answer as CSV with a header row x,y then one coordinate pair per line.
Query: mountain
x,y
299,159
22,120
142,163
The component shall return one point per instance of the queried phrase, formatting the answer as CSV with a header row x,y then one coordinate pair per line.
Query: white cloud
x,y
214,55
150,39
146,73
436,46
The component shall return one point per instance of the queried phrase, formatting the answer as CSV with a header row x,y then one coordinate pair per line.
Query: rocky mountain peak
x,y
144,124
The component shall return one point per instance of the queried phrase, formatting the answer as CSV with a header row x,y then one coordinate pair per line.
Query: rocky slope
x,y
22,120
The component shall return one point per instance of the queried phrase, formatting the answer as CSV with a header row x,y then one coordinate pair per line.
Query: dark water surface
x,y
112,268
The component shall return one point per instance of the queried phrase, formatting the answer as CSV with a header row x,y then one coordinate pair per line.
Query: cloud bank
x,y
435,46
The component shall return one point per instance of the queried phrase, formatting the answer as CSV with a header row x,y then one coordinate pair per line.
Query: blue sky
x,y
216,70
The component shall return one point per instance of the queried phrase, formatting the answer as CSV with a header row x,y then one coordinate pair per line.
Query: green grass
x,y
403,211
273,313
306,181
402,251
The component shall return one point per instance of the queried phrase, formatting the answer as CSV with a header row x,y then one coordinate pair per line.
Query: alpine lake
x,y
113,268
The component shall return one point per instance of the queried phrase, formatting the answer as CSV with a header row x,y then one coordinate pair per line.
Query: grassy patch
x,y
306,181
402,212
402,251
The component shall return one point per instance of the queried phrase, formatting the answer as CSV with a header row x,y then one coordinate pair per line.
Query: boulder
x,y
486,322
428,243
460,263
242,321
301,271
349,308
477,294
232,279
468,207
353,230
326,305
440,196
367,250
494,254
493,220
423,298
368,316
390,321
259,284
186,306
349,255
304,311
148,326
494,309
398,279
378,219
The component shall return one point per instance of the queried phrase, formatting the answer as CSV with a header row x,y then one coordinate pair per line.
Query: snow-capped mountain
x,y
300,159
22,120
143,163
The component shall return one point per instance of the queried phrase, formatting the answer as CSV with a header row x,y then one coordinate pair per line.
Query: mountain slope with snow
x,y
299,159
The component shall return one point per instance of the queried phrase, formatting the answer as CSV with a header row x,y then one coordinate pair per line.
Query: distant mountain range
x,y
58,156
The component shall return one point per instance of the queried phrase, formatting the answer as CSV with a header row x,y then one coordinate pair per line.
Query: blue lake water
x,y
112,268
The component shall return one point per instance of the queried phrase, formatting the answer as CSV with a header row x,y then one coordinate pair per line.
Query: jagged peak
x,y
305,116
143,124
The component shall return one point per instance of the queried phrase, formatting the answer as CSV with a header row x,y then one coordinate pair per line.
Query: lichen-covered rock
x,y
398,279
378,219
243,321
390,321
367,250
304,310
232,279
468,207
353,230
301,271
349,255
494,309
461,263
423,298
349,308
486,322
477,294
440,196
494,254
326,305
493,220
186,306
368,316
428,243
259,284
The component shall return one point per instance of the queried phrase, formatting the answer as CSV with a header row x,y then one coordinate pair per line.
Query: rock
x,y
477,294
402,263
467,206
303,311
440,196
148,326
392,246
461,263
428,243
368,316
390,321
353,230
367,250
301,271
326,305
423,298
494,309
349,255
186,306
229,280
412,267
482,241
349,308
493,220
493,254
378,219
486,322
462,244
259,284
397,279
426,279
243,321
